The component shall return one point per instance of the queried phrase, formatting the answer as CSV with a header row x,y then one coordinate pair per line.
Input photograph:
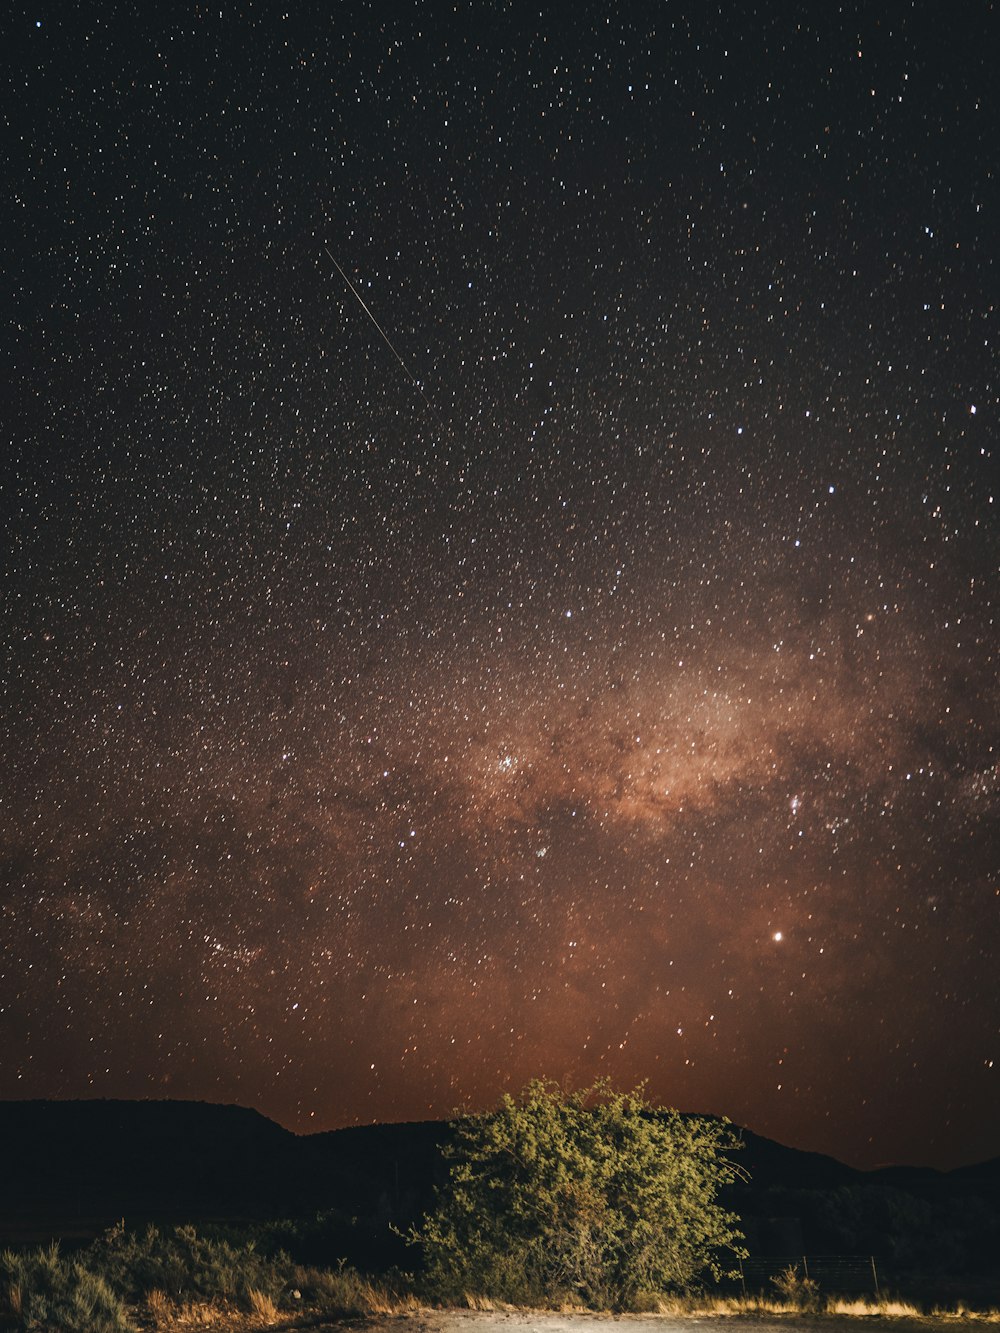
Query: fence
x,y
835,1274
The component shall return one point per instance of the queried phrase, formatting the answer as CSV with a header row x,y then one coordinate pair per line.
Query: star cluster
x,y
617,696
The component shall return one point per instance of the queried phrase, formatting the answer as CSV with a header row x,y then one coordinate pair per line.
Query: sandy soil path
x,y
476,1321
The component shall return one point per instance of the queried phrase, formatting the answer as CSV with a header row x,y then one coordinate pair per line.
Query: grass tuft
x,y
345,1292
262,1305
159,1307
864,1309
15,1298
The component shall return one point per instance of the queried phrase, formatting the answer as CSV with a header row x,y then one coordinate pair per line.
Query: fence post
x,y
805,1267
878,1294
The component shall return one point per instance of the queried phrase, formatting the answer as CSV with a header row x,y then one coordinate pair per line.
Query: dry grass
x,y
863,1309
168,1316
262,1305
345,1292
196,1314
475,1302
218,1318
897,1309
15,1298
317,1293
722,1306
160,1307
679,1306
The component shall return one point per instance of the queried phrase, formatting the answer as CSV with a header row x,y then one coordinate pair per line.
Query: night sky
x,y
599,680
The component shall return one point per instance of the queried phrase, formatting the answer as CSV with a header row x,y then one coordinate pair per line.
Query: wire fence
x,y
834,1274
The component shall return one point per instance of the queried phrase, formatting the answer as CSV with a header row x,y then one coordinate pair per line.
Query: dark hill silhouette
x,y
764,1160
75,1167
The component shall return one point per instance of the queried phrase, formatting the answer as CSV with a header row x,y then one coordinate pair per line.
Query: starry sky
x,y
592,673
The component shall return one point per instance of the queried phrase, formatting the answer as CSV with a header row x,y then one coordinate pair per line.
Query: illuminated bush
x,y
591,1195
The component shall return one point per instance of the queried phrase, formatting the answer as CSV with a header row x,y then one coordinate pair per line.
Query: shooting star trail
x,y
381,330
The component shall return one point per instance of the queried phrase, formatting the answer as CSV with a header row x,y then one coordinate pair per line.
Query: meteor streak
x,y
381,330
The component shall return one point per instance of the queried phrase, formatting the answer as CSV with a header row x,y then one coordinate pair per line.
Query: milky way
x,y
620,700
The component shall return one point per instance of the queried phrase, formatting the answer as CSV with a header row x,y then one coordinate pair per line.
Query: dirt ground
x,y
475,1321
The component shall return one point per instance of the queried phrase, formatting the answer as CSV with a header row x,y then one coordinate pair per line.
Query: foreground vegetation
x,y
592,1195
127,1282
587,1201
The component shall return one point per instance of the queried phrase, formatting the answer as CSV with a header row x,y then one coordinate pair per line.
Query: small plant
x,y
160,1307
645,1302
262,1305
797,1288
15,1298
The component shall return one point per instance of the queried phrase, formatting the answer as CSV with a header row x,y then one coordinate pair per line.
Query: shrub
x,y
42,1291
185,1266
159,1306
591,1195
262,1305
797,1288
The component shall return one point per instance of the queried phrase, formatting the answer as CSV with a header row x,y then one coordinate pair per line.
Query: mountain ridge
x,y
74,1166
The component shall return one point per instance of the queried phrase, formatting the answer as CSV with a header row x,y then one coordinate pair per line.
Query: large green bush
x,y
592,1195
